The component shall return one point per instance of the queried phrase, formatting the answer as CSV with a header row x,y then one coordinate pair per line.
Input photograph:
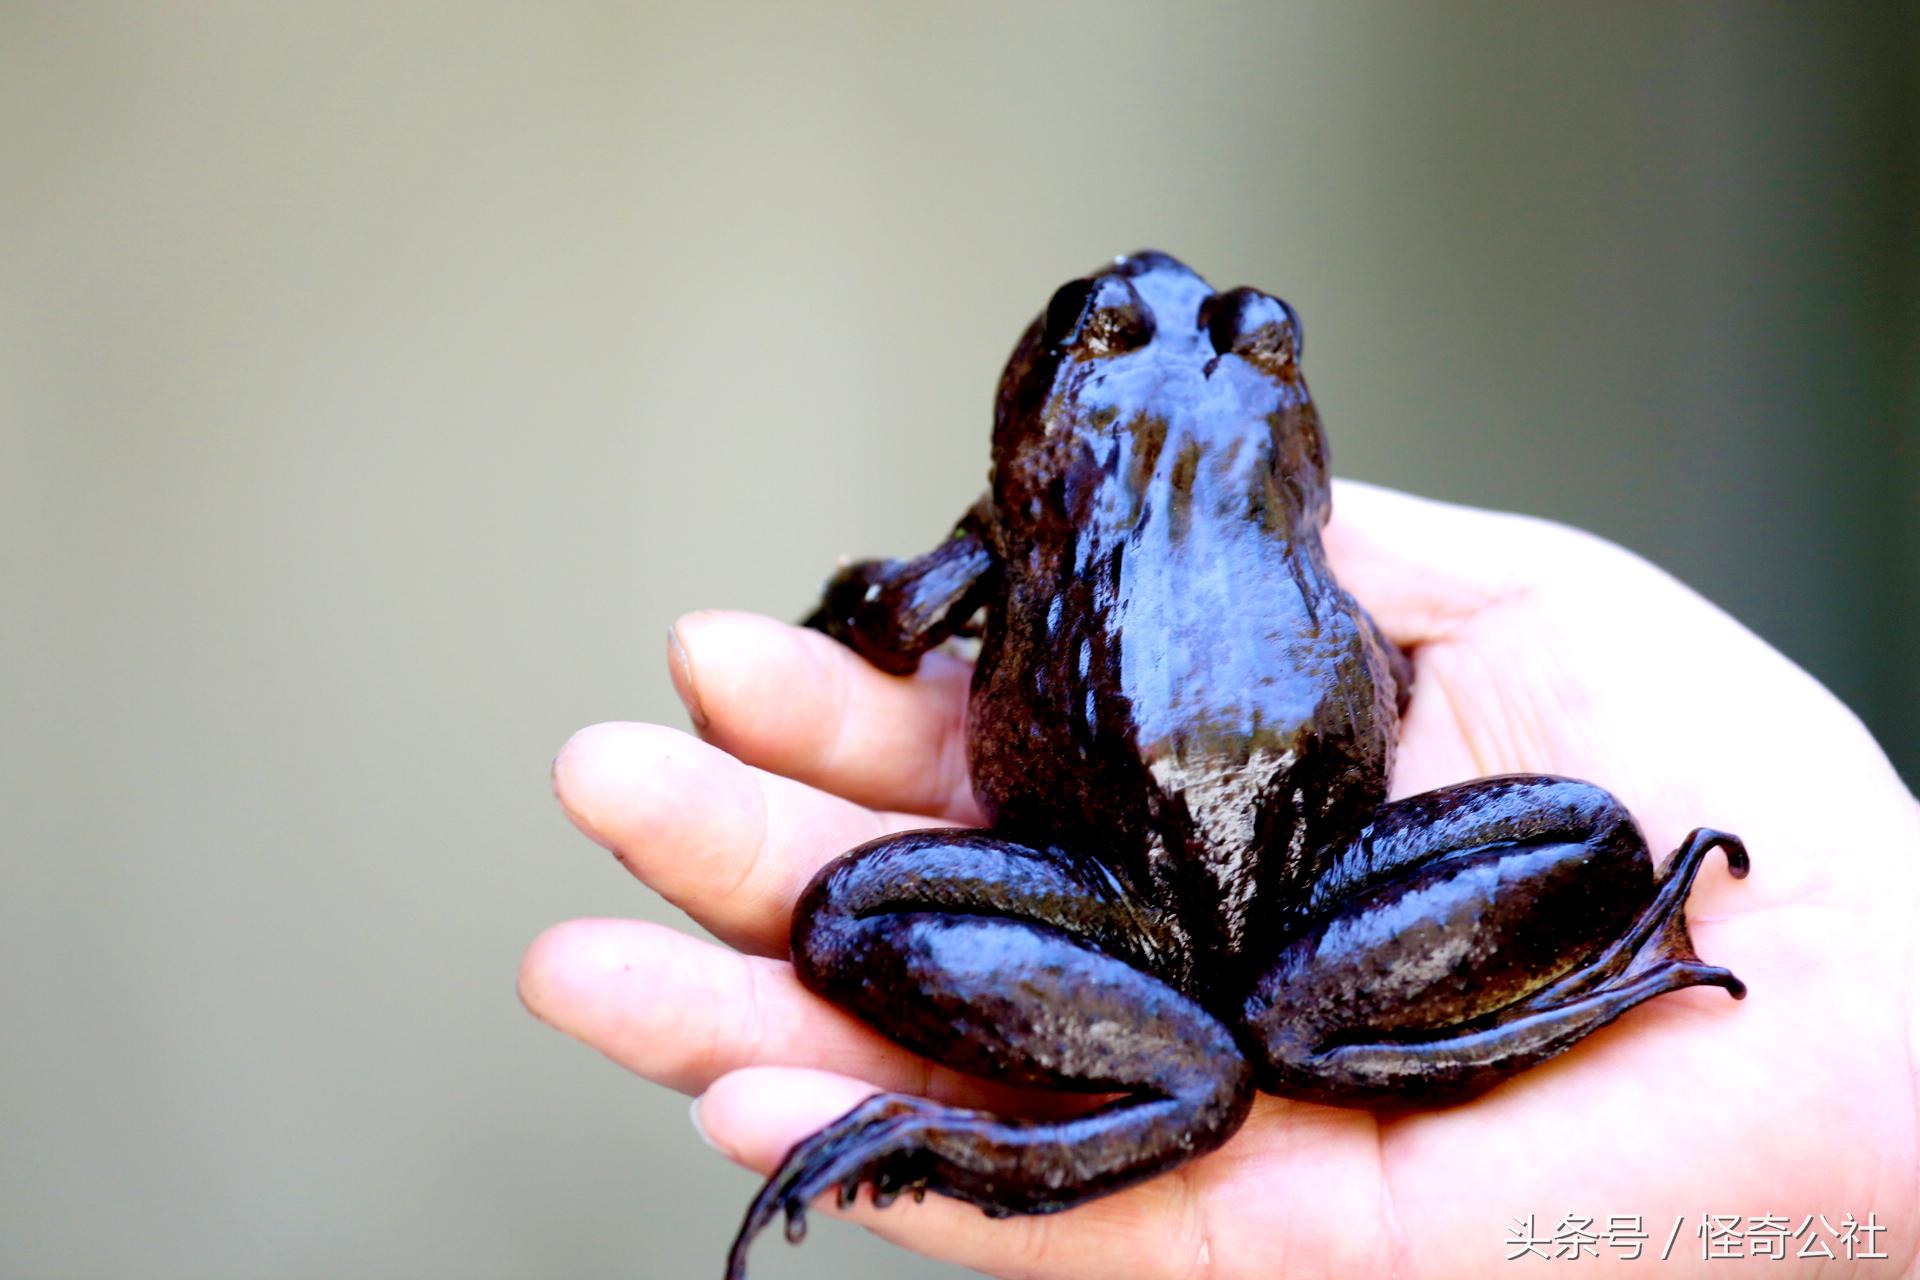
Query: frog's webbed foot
x,y
1658,939
873,1143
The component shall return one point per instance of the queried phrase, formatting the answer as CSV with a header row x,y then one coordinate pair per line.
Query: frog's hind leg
x,y
1021,964
1470,933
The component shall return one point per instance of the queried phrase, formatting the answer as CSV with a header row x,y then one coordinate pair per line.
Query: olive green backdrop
x,y
378,381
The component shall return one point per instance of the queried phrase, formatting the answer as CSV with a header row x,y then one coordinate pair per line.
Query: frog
x,y
1192,885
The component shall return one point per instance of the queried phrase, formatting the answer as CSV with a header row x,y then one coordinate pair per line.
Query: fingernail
x,y
682,672
693,1114
560,793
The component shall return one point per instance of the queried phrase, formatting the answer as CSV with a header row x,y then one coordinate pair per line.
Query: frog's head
x,y
1144,349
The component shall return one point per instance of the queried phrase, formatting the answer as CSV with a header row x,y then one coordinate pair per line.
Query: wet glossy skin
x,y
1181,730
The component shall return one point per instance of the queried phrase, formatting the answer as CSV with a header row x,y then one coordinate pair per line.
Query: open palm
x,y
1536,649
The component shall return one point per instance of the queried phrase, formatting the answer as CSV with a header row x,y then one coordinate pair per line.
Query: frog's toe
x,y
891,1179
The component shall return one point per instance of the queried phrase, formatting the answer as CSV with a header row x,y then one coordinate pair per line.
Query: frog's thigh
x,y
1487,928
980,953
977,873
1020,964
1473,816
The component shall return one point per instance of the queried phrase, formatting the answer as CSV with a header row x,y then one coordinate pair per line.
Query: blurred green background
x,y
378,381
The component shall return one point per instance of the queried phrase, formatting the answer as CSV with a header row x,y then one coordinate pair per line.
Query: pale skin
x,y
1537,649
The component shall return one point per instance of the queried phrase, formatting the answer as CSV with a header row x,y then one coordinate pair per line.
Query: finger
x,y
790,700
1422,567
730,845
754,1117
684,1012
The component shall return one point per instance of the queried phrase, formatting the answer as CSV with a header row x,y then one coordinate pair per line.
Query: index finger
x,y
794,702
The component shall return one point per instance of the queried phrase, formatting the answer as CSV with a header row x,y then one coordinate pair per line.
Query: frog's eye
x,y
1102,316
1255,326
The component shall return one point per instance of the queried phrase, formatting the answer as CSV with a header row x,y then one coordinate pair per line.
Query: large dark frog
x,y
1180,731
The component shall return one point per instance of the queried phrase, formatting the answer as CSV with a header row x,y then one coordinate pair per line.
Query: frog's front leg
x,y
892,611
1470,933
1026,965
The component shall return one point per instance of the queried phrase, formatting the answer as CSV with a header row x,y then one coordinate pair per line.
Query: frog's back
x,y
1204,708
1172,681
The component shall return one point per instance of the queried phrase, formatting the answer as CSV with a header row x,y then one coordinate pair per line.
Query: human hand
x,y
1536,649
